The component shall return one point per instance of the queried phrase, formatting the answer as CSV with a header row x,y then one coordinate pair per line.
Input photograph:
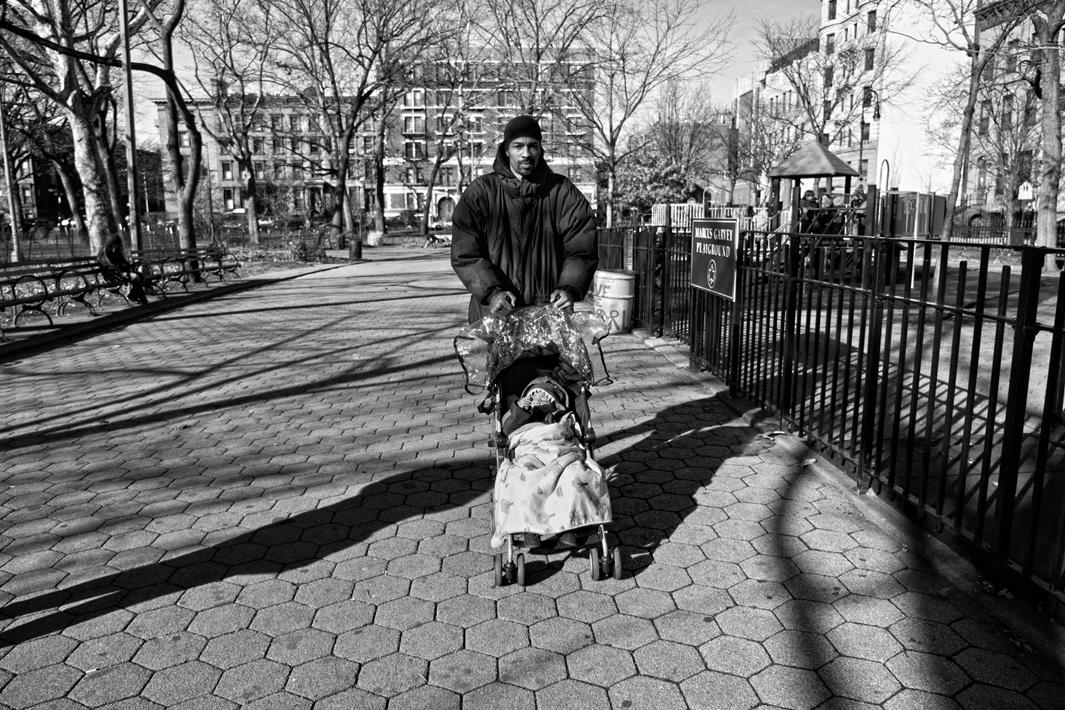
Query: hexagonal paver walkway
x,y
281,498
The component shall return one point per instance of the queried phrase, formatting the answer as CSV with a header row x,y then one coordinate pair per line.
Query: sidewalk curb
x,y
64,335
1038,631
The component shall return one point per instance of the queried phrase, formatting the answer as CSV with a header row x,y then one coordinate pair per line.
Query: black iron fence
x,y
931,371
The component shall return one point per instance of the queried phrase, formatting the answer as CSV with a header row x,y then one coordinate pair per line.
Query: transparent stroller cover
x,y
489,347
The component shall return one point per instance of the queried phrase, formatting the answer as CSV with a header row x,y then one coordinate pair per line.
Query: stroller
x,y
550,495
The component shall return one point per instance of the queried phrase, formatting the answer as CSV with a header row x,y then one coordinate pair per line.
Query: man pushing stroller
x,y
523,235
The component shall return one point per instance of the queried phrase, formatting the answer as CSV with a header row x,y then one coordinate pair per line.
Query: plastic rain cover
x,y
489,347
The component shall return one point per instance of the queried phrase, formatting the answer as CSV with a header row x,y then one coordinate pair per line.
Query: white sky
x,y
745,34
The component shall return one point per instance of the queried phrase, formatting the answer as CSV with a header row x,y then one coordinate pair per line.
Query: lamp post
x,y
867,98
136,236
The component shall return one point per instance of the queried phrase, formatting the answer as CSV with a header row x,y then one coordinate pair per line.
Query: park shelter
x,y
812,160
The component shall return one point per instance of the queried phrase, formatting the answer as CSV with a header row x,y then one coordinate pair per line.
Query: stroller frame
x,y
604,559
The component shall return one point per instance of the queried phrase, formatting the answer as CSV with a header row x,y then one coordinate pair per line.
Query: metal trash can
x,y
355,248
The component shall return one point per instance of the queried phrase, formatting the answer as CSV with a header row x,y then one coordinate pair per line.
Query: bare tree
x,y
230,42
56,47
340,57
627,56
535,42
829,80
951,24
1048,19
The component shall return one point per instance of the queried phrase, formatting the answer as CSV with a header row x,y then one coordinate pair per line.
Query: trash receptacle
x,y
355,249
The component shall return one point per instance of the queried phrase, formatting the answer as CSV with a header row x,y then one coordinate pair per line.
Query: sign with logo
x,y
715,247
1024,192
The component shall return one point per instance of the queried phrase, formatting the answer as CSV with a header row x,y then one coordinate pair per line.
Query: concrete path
x,y
280,498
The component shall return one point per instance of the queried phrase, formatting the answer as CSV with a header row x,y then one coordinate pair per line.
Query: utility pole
x,y
136,237
9,178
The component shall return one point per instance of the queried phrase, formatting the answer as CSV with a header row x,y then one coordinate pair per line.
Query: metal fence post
x,y
791,314
662,258
1024,331
881,255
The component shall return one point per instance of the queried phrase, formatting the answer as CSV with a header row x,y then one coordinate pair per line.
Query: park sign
x,y
715,246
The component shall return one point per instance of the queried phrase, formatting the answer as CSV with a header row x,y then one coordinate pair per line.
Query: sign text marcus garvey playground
x,y
715,243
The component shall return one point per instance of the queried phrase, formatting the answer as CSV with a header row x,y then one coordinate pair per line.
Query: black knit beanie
x,y
521,127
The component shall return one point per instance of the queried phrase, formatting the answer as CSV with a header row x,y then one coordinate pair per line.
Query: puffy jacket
x,y
529,237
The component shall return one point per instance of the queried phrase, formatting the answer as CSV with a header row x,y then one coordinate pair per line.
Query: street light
x,y
867,98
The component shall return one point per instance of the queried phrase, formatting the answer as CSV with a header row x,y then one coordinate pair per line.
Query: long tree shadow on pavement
x,y
287,544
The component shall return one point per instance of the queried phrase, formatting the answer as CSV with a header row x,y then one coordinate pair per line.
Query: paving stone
x,y
645,603
282,618
367,643
668,661
322,677
99,652
793,688
586,606
623,631
573,695
995,669
985,697
44,685
37,653
109,685
928,672
431,640
601,665
462,671
171,650
866,681
300,646
532,668
737,656
560,635
747,622
864,641
527,608
181,683
426,696
465,610
404,613
646,692
908,699
719,691
499,695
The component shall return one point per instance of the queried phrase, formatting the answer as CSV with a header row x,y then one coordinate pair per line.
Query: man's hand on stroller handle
x,y
502,302
562,299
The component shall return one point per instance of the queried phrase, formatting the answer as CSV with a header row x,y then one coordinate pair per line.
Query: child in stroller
x,y
550,494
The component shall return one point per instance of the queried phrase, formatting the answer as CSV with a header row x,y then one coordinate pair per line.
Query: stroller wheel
x,y
520,572
595,564
618,567
499,569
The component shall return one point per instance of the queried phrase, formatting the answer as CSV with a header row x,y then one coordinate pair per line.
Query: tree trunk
x,y
110,175
1050,175
79,115
379,175
70,189
611,181
965,139
250,210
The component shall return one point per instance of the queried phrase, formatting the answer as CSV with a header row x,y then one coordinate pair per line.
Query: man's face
x,y
524,155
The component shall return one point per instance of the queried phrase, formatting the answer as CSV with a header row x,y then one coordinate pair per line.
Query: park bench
x,y
182,266
28,287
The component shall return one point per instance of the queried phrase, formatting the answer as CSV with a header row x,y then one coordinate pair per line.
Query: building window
x,y
475,124
870,21
415,97
574,173
870,58
828,77
831,9
1007,112
413,150
830,44
827,105
277,122
984,123
447,176
228,198
279,171
183,139
257,146
293,122
260,170
278,146
298,200
397,201
227,170
414,124
981,179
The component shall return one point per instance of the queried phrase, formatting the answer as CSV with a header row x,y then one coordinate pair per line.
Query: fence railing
x,y
931,371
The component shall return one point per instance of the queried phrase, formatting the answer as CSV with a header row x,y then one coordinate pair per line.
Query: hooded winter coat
x,y
529,237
